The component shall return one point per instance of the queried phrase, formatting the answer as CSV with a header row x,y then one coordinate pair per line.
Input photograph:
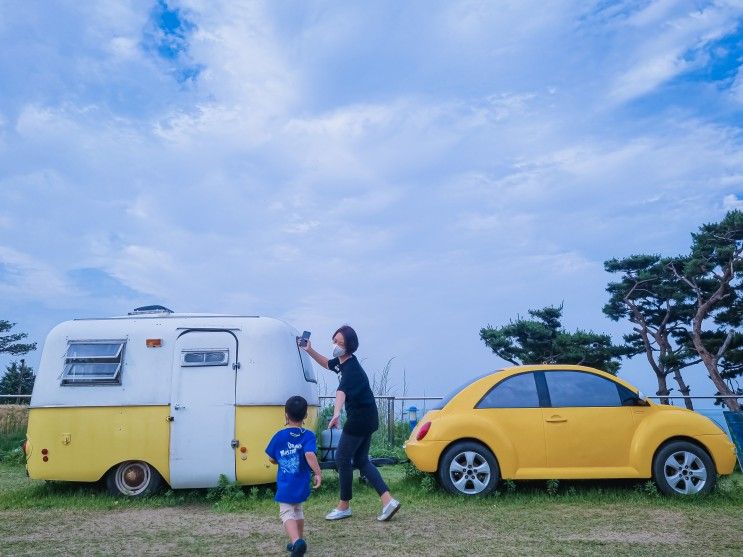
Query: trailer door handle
x,y
179,407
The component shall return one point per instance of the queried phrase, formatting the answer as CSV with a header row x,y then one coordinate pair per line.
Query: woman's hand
x,y
318,481
334,421
307,347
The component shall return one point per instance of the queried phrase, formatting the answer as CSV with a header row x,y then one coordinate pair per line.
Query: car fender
x,y
452,429
658,427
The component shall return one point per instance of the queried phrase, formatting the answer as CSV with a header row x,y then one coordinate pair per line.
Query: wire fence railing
x,y
15,399
394,411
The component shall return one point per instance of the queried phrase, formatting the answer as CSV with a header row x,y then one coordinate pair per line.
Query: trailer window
x,y
93,363
193,358
309,371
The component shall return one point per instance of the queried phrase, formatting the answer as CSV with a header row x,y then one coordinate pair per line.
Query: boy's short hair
x,y
296,408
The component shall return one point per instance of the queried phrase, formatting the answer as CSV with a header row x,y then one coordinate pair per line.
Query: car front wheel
x,y
683,468
469,468
133,478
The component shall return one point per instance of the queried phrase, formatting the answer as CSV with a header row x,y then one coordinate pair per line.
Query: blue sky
x,y
417,170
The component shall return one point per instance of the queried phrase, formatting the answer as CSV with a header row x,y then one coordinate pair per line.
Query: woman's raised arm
x,y
319,358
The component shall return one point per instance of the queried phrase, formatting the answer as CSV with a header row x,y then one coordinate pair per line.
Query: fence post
x,y
390,420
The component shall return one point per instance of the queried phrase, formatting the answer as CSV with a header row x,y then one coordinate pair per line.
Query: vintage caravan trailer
x,y
156,396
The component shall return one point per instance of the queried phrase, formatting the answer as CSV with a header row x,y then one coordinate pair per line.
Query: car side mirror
x,y
641,399
636,400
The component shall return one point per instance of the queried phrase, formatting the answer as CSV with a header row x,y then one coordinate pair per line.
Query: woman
x,y
362,420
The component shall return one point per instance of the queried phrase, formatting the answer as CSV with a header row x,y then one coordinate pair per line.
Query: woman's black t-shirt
x,y
361,409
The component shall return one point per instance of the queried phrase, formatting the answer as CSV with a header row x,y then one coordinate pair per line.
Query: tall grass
x,y
13,422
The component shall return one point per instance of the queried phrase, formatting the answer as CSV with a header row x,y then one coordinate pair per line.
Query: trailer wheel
x,y
133,478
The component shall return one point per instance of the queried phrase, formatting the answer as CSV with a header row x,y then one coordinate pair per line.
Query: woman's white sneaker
x,y
389,510
337,514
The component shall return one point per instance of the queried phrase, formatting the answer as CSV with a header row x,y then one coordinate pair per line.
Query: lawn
x,y
616,518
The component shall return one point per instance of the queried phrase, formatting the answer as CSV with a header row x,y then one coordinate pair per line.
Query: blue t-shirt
x,y
287,448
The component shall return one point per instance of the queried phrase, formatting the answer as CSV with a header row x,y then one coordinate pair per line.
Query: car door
x,y
512,408
588,432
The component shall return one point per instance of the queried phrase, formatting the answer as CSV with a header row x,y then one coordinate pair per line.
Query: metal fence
x,y
15,399
393,410
398,410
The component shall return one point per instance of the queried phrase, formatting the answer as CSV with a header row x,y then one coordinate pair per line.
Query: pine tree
x,y
18,380
543,340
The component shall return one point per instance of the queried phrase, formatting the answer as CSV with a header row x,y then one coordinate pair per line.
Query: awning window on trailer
x,y
93,363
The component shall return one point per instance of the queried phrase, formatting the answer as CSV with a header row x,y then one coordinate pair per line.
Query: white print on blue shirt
x,y
289,460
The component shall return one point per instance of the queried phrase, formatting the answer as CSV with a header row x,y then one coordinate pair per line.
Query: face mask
x,y
338,351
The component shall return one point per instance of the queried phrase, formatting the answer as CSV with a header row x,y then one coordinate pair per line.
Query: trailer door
x,y
202,408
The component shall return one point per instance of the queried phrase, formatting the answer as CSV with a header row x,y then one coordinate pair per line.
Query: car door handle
x,y
556,419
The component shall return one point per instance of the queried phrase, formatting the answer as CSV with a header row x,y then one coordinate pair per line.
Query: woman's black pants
x,y
353,452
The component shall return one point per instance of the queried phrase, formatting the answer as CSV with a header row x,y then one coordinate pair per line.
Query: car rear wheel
x,y
133,478
469,468
683,468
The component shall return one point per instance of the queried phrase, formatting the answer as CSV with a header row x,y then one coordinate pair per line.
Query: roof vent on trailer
x,y
149,310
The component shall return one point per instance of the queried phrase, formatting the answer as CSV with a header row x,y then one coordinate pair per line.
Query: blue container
x,y
413,417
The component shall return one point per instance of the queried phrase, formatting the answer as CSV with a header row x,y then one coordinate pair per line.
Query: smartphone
x,y
302,341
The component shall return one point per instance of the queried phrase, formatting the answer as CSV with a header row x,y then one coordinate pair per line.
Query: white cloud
x,y
736,89
679,34
731,201
388,167
28,278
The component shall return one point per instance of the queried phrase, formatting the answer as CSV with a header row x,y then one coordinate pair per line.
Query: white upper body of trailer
x,y
271,365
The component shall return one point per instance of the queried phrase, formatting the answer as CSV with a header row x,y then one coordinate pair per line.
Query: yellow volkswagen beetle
x,y
565,422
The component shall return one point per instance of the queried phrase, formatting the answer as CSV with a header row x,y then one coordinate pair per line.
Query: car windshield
x,y
444,401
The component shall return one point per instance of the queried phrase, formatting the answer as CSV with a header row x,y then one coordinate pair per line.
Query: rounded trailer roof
x,y
272,367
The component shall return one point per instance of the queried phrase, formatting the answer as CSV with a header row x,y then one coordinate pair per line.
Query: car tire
x,y
681,468
469,468
133,478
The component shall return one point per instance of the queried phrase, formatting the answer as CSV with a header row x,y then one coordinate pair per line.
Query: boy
x,y
293,449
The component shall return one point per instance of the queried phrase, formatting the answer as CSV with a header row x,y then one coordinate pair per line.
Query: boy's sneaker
x,y
337,514
289,546
389,510
299,548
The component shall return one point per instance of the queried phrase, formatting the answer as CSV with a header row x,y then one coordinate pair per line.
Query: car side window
x,y
577,388
517,391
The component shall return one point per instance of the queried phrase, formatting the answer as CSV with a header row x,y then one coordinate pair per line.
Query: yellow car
x,y
565,422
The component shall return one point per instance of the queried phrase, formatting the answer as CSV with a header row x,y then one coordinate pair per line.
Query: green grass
x,y
562,518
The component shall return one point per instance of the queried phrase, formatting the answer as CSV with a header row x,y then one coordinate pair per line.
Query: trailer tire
x,y
133,478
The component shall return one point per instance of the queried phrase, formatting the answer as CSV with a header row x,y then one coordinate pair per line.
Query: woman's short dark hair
x,y
350,339
296,408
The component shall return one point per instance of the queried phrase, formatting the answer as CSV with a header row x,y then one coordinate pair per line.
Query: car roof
x,y
514,370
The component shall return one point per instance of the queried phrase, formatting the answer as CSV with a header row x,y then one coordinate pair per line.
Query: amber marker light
x,y
154,342
243,449
45,451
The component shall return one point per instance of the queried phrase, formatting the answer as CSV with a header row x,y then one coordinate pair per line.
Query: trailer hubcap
x,y
132,478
